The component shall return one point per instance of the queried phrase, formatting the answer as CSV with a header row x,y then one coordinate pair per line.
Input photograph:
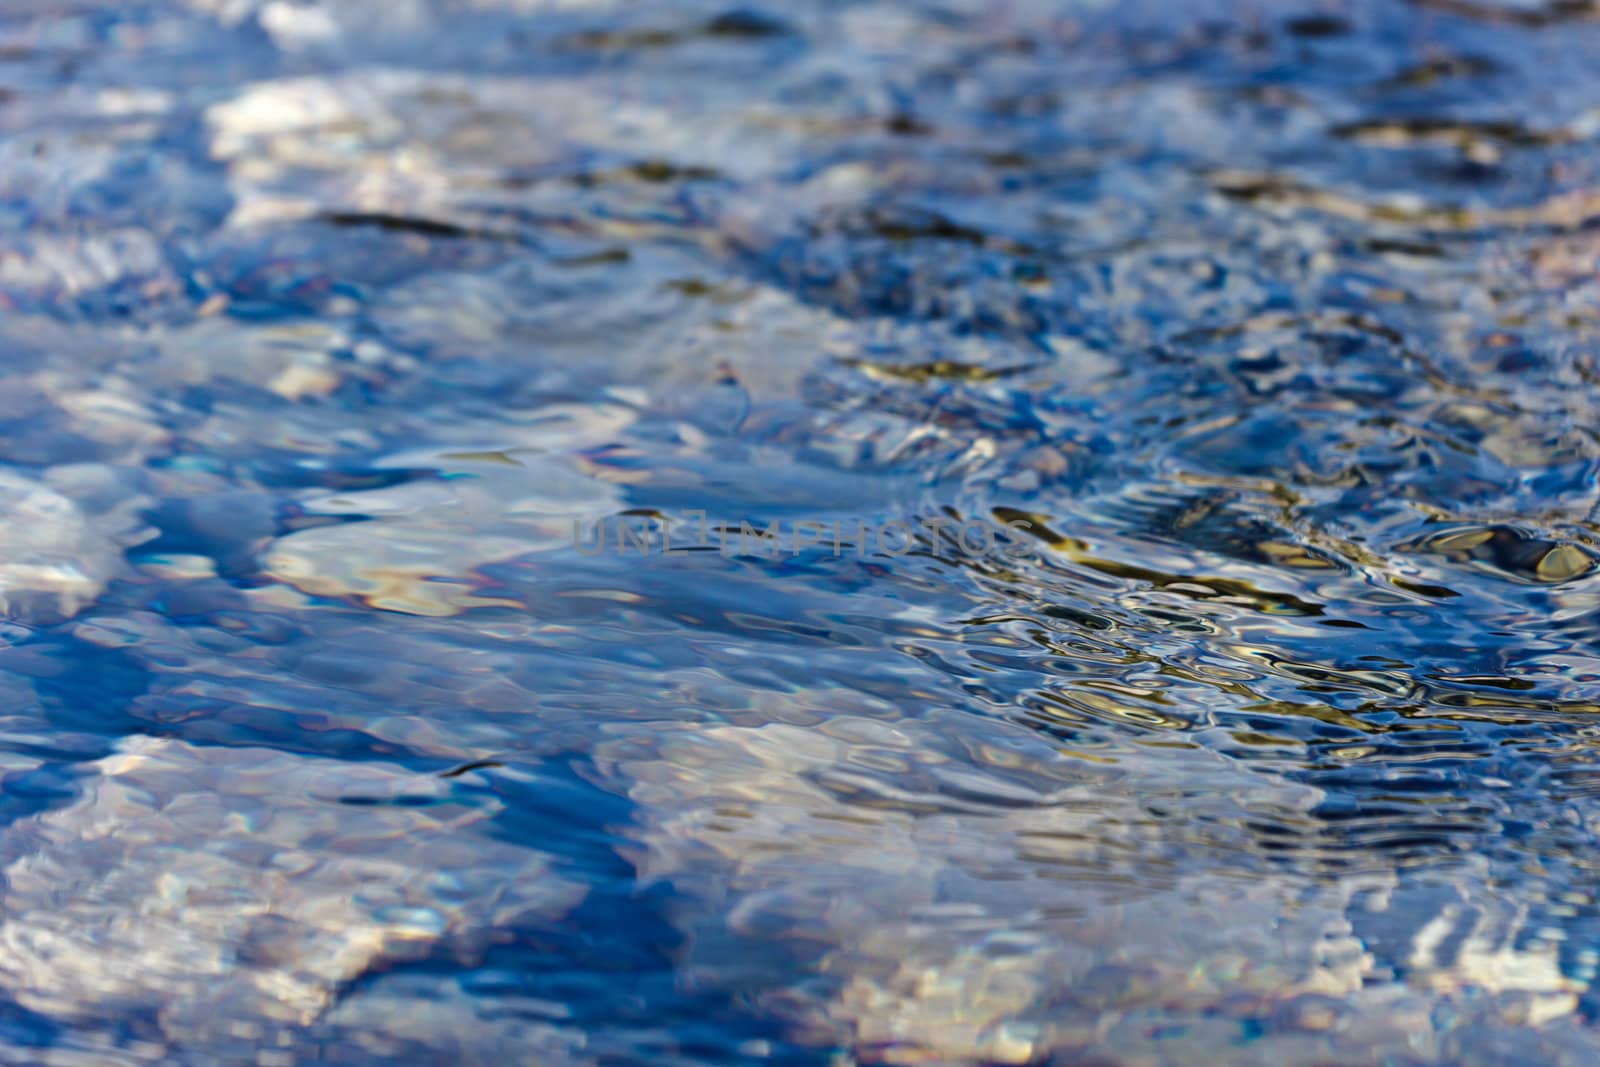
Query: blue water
x,y
573,532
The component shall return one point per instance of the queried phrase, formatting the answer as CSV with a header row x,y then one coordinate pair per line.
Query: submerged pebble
x,y
232,894
939,931
416,547
53,561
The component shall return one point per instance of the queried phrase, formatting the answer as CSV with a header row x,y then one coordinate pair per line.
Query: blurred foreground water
x,y
1268,740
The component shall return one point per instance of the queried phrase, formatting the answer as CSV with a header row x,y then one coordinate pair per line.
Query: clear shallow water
x,y
1268,741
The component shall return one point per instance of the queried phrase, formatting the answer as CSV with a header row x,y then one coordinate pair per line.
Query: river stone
x,y
293,360
964,901
53,562
442,144
421,543
231,893
419,1018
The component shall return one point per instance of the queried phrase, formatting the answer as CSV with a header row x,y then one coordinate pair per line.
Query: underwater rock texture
x,y
53,561
991,903
232,895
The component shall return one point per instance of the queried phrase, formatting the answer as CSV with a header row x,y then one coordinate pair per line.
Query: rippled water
x,y
1177,423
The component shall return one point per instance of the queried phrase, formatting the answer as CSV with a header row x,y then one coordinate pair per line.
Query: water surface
x,y
1240,707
